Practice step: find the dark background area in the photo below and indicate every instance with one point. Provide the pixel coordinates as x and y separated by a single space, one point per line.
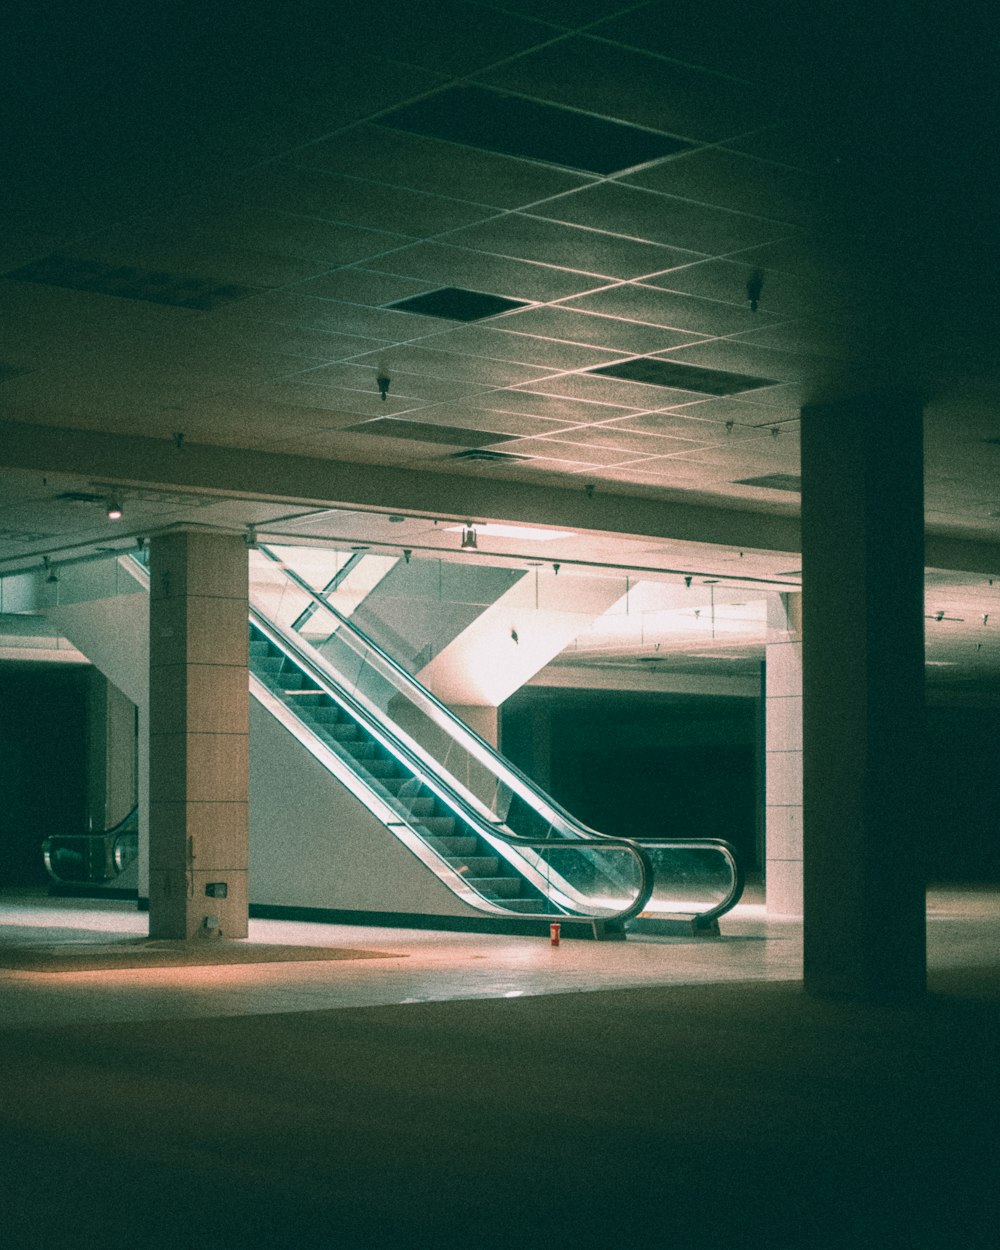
662 765
675 766
684 766
43 763
962 794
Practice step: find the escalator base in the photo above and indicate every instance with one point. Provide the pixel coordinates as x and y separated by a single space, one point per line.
453 924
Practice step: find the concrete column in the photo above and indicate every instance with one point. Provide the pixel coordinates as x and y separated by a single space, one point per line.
199 735
863 675
783 758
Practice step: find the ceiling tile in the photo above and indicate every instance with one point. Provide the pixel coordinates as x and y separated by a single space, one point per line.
560 244
638 302
354 201
360 286
552 407
561 450
451 365
458 304
498 344
515 424
726 281
615 437
662 219
679 425
439 263
339 318
396 158
735 181
607 332
599 390
673 375
629 86
530 129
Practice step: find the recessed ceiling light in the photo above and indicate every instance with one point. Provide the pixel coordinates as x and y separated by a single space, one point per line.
527 532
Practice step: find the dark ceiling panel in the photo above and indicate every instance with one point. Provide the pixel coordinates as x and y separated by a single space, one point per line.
457 304
77 274
680 377
526 128
774 481
424 432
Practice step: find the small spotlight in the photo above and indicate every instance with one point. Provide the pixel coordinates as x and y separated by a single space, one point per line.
114 510
469 541
250 537
53 576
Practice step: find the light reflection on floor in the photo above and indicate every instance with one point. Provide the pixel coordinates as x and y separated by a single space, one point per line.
963 929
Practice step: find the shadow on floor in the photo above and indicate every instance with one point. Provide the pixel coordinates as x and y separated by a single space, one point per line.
724 1115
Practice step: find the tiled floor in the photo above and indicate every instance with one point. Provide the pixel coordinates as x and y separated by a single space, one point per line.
963 930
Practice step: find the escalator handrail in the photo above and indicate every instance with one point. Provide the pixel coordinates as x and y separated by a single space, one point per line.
420 768
502 767
125 828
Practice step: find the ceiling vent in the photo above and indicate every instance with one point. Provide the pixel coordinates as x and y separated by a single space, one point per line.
426 432
456 304
76 274
680 377
512 126
483 453
774 481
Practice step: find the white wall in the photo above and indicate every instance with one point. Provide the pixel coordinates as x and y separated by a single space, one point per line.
313 844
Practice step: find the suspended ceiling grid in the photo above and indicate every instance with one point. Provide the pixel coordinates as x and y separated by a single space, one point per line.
230 225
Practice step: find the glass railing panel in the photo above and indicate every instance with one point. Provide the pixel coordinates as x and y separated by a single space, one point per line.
691 879
586 880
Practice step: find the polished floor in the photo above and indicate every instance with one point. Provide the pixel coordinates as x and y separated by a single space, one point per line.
429 966
498 1093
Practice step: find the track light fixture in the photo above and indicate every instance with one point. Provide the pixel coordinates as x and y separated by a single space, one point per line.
250 538
114 510
53 576
469 541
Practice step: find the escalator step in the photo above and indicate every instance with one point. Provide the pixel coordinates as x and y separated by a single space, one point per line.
439 826
475 866
419 805
383 768
453 847
497 887
526 904
326 714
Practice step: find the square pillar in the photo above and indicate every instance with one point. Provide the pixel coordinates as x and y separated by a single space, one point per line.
863 683
783 873
199 735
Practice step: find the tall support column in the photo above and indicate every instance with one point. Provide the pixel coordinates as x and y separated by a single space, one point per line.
199 736
863 681
783 757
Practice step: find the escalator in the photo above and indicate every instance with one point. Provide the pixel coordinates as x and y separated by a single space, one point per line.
482 827
371 798
94 858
